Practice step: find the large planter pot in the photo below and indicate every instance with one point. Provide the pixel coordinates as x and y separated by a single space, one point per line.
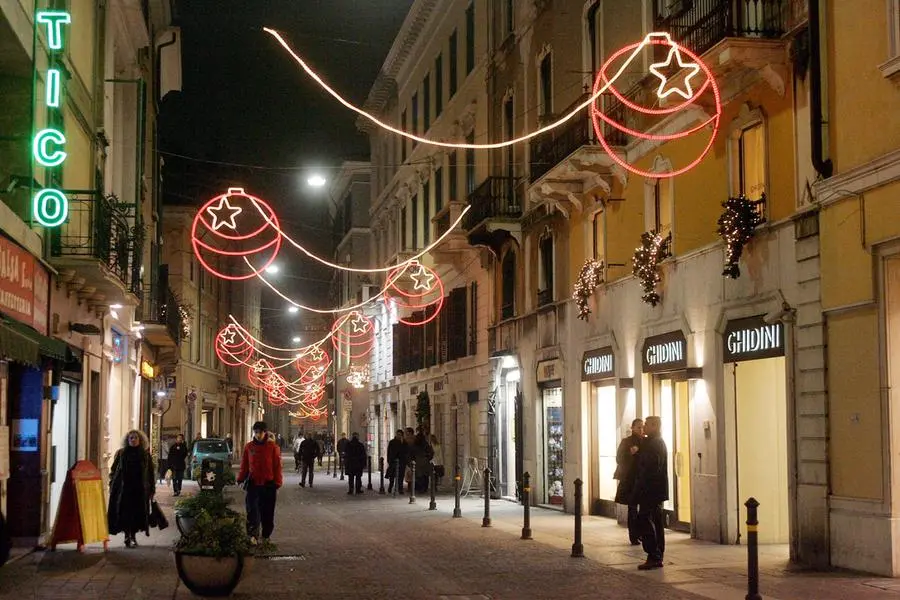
209 576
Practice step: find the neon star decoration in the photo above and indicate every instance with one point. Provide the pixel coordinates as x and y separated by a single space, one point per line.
360 324
653 116
693 69
231 213
423 278
417 292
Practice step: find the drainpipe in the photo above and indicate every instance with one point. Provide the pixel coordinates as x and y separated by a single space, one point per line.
157 79
823 166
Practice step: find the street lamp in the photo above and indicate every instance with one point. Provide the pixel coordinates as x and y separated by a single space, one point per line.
272 269
316 180
293 309
296 339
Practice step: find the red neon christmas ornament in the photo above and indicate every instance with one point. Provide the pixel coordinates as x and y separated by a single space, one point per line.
691 68
415 287
257 371
235 236
353 335
232 348
312 364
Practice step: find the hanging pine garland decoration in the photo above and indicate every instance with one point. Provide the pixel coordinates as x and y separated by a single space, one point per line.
590 277
737 224
653 249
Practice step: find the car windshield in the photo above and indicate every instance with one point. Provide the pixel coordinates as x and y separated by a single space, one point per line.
211 447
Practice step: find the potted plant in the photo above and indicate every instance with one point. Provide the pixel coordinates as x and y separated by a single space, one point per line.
188 507
213 552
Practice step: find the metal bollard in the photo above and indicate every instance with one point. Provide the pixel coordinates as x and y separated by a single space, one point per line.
328 465
381 474
457 513
334 468
398 477
412 482
526 503
578 547
752 550
342 466
486 520
433 504
369 466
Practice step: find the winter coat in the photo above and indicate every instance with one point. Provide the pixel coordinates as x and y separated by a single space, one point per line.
626 468
342 445
651 484
132 484
355 458
397 450
178 456
261 462
309 450
421 452
5 543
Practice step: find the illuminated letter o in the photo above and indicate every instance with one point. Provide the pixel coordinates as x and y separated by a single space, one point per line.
44 200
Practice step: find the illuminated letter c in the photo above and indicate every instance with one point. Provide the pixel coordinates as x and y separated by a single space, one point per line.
42 154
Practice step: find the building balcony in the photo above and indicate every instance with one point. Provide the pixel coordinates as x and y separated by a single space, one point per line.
160 314
496 207
456 241
97 250
736 38
503 338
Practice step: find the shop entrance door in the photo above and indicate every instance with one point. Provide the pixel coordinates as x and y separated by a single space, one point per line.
606 442
554 459
758 389
674 409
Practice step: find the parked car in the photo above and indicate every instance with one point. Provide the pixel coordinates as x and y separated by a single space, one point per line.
212 448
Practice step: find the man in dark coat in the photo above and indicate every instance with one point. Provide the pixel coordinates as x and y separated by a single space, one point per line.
309 452
355 461
342 451
396 456
626 462
178 454
421 452
651 489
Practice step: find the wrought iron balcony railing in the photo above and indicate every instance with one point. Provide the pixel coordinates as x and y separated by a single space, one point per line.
97 229
701 24
495 198
159 305
551 148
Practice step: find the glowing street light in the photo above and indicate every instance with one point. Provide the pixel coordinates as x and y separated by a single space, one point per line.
272 269
296 339
293 309
316 181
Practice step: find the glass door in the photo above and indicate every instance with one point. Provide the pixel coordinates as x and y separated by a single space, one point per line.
607 441
554 459
673 407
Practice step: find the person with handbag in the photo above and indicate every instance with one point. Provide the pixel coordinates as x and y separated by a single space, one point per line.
132 488
178 454
261 477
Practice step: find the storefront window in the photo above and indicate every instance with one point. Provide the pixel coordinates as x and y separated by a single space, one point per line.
553 444
607 440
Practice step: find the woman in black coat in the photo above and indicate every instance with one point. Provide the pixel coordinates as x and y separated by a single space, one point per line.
132 487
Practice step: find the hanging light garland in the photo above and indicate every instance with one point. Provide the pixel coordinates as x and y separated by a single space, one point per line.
737 225
647 256
359 376
590 277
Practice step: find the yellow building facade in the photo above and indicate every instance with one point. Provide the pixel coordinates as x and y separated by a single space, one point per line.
859 219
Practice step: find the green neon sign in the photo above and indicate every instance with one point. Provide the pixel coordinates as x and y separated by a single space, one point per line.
50 207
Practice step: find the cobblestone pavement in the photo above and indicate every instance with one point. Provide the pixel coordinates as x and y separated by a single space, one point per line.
331 545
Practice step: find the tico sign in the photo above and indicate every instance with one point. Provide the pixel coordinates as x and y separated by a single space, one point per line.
752 338
50 206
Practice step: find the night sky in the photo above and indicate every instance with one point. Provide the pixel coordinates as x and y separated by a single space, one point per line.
245 101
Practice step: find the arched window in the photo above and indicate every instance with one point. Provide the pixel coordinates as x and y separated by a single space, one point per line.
508 286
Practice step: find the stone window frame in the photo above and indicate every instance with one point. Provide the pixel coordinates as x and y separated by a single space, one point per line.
891 67
748 118
661 164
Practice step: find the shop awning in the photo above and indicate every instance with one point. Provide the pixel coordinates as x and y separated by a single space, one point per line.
17 347
47 346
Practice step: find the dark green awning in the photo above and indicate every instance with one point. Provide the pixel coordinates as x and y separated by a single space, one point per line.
47 346
17 347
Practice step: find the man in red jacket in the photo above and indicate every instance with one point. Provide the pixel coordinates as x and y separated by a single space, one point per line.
261 470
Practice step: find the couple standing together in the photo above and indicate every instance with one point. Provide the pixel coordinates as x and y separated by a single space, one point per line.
642 471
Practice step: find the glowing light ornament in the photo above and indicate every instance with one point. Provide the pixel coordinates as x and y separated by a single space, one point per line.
312 364
359 376
236 230
691 68
257 371
415 287
353 335
232 348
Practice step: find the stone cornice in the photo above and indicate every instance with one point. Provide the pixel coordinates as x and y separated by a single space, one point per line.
883 170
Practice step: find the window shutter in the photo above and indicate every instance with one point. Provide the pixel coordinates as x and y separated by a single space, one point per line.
457 325
416 343
444 328
473 319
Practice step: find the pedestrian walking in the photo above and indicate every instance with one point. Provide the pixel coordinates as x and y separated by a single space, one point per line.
177 459
229 442
297 442
163 460
421 452
438 460
132 488
396 452
261 476
626 470
321 443
355 463
309 452
342 450
651 489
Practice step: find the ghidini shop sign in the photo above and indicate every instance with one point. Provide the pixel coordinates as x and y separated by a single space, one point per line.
752 338
50 207
664 352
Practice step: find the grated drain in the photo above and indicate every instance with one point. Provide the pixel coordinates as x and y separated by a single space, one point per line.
282 557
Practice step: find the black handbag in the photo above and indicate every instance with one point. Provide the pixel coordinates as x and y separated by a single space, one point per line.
157 518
